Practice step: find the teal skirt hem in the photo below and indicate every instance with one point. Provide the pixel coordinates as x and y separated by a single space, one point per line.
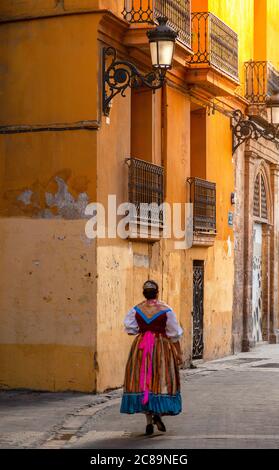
157 404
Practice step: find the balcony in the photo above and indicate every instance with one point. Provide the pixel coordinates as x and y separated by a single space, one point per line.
146 193
214 45
203 198
261 81
147 11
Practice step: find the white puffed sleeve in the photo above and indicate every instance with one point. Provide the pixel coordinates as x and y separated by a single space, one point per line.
173 329
130 323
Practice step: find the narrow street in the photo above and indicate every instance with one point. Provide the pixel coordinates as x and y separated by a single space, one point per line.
228 403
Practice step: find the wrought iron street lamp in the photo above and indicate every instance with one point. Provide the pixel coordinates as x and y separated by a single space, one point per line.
272 107
256 127
162 41
121 74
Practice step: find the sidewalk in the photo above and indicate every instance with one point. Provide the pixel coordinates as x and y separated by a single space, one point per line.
227 403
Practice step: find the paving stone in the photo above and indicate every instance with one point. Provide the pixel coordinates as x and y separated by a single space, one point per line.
228 403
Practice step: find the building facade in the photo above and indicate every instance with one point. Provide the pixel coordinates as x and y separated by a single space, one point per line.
64 294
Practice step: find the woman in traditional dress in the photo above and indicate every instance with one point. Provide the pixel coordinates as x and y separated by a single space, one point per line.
152 384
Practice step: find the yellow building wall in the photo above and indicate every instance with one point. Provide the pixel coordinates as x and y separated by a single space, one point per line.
218 297
198 143
173 269
23 8
260 30
219 259
66 328
220 168
114 256
48 293
57 84
177 144
47 304
177 273
123 265
266 31
214 162
219 267
199 5
272 53
238 15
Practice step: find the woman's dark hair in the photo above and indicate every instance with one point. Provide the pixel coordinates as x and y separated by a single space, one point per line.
150 290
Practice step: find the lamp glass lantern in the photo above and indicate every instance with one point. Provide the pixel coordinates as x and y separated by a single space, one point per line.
272 107
162 44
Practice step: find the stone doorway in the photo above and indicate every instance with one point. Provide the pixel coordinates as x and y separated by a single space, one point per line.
258 296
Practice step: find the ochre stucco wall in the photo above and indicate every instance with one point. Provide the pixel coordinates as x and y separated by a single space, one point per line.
272 53
34 165
266 31
58 85
220 168
48 294
260 29
64 328
218 298
238 15
47 304
24 8
214 163
114 295
124 265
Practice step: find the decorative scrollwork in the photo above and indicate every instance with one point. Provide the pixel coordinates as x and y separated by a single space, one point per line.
245 129
122 74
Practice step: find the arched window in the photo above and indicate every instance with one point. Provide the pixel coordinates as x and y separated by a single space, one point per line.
260 199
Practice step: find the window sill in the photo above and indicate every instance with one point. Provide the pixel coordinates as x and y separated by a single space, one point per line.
144 231
204 238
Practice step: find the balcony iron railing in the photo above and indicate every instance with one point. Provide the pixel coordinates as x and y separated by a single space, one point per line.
146 188
261 81
178 13
203 198
214 43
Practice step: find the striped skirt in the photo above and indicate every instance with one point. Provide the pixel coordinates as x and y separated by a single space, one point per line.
164 388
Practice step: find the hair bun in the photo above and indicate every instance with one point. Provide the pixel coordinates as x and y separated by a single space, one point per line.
150 285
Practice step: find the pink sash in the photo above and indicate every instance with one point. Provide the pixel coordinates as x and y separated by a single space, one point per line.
147 345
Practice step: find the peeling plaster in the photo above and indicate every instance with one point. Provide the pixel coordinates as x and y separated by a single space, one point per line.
68 207
25 197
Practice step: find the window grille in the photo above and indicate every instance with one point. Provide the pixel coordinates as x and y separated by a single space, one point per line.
203 197
146 187
260 199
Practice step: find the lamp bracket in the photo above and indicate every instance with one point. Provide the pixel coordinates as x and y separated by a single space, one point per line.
122 74
245 129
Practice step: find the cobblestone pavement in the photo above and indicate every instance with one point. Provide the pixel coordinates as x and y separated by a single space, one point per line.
227 403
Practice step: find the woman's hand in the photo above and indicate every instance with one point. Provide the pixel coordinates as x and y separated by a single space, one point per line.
179 359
